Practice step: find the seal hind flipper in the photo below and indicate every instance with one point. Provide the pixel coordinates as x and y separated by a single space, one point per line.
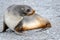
5 27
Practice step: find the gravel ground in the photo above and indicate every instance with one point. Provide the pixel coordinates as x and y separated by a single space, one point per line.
49 9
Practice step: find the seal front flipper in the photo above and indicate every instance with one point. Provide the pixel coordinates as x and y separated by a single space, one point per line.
18 27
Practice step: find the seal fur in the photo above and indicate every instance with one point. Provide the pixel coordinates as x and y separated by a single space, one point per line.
18 19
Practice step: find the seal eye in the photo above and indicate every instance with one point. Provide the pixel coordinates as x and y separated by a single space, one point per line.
28 10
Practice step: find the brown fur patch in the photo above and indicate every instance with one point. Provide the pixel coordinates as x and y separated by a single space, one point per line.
18 29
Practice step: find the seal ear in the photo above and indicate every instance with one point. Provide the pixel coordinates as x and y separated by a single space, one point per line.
12 20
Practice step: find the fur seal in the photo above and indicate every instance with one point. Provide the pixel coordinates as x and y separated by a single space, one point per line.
14 15
22 17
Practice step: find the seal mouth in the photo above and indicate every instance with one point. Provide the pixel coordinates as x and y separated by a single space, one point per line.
31 13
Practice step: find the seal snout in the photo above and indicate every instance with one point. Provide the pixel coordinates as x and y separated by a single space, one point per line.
31 12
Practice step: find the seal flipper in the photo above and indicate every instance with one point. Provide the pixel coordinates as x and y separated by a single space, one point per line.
5 27
18 28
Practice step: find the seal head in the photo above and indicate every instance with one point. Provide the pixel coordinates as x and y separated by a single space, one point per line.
15 14
22 10
28 10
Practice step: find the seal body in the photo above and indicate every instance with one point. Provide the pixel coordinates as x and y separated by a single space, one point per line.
34 22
